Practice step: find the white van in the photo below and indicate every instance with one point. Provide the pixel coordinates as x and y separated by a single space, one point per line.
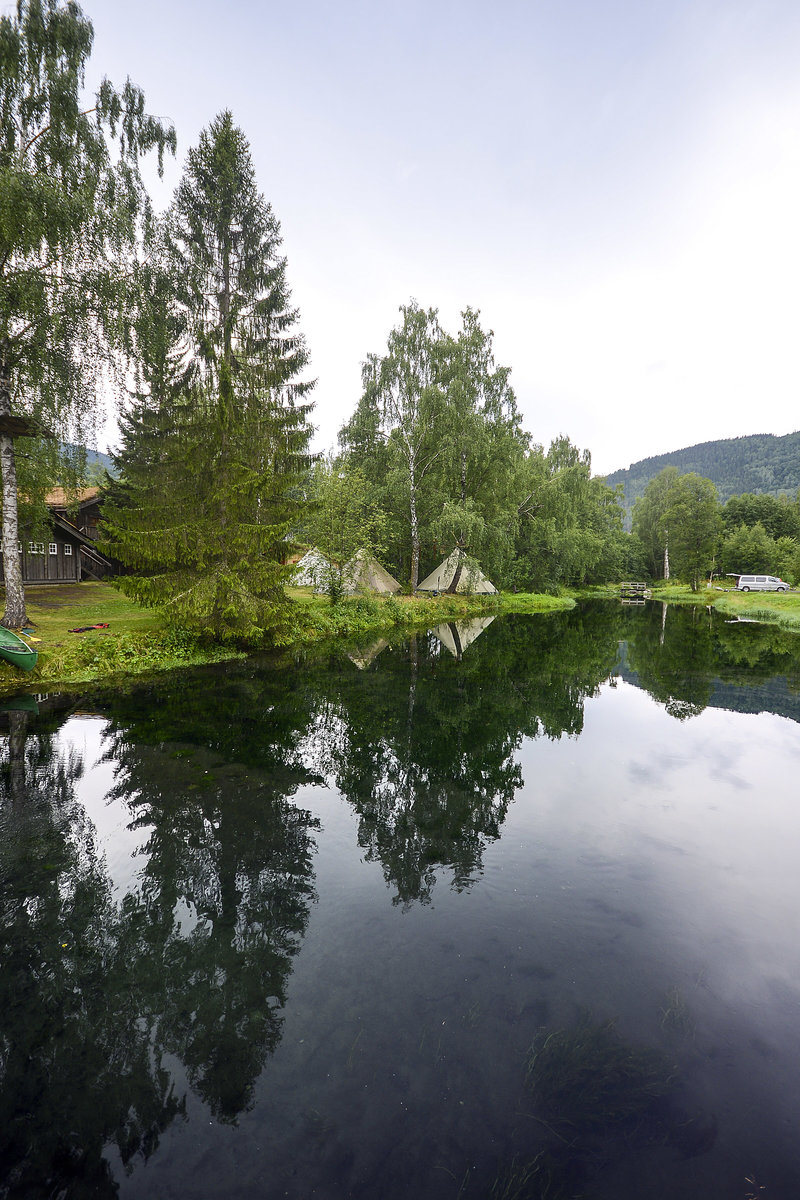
761 583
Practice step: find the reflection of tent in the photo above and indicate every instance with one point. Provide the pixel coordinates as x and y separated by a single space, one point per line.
362 658
455 636
364 573
309 571
472 577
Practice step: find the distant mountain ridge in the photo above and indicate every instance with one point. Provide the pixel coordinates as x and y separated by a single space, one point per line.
762 462
97 463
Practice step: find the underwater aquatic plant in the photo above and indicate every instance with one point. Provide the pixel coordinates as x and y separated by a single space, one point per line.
587 1079
540 1178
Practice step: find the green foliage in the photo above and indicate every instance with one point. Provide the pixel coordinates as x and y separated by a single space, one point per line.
787 559
748 549
70 216
692 521
437 435
648 512
570 524
762 534
344 519
779 516
216 445
678 514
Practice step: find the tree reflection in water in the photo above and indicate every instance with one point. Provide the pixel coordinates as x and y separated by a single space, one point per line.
192 962
100 991
76 1071
423 744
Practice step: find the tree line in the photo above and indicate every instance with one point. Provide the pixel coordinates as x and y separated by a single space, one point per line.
190 311
683 530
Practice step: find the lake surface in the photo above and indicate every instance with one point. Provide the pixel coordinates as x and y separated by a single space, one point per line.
509 910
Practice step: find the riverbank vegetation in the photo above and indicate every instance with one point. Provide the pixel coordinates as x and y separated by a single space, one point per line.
93 631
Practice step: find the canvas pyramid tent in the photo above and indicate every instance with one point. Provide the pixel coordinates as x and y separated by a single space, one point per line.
309 571
472 577
455 636
363 573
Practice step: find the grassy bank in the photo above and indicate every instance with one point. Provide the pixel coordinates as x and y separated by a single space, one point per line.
136 641
773 608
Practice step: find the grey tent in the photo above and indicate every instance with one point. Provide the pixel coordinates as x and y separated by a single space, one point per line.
310 570
472 577
363 573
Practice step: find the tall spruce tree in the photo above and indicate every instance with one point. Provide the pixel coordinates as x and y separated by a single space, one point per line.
69 217
206 536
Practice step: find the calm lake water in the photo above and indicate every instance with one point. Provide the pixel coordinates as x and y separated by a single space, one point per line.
507 911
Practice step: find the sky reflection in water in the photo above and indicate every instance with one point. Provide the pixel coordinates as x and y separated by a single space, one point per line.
292 930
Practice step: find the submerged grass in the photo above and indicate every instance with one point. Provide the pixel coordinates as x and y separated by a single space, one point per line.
585 1078
539 1178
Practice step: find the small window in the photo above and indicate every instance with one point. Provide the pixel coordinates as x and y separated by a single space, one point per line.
19 547
67 549
40 547
53 548
31 547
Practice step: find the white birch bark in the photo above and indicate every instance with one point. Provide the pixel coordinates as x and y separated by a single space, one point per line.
14 616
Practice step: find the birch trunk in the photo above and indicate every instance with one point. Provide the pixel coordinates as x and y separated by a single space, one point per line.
414 527
666 557
14 616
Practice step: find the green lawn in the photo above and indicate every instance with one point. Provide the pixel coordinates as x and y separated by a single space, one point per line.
135 642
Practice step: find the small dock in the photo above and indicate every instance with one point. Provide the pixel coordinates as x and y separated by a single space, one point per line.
634 593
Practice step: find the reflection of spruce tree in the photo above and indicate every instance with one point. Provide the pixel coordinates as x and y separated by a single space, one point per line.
423 746
229 853
75 1068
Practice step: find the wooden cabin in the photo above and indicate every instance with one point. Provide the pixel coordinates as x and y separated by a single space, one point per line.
81 508
68 555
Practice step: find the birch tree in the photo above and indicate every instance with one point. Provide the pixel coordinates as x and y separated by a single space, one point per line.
72 206
411 401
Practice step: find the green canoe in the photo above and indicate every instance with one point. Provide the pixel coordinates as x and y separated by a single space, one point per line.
14 650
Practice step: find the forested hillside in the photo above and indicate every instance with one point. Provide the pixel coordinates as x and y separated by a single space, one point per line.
760 463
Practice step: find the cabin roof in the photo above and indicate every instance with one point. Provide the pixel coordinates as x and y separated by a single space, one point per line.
60 498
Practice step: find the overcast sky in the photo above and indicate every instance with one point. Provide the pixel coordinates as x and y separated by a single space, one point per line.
615 184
